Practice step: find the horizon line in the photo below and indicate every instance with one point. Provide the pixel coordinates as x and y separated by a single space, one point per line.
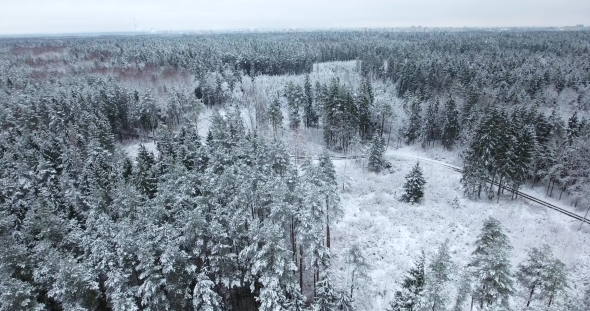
286 30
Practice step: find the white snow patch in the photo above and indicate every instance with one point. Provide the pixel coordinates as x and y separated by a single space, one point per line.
392 234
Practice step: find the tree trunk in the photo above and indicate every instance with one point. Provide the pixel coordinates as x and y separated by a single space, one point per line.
388 137
327 225
301 268
500 184
382 124
561 193
530 296
481 300
314 281
293 247
352 284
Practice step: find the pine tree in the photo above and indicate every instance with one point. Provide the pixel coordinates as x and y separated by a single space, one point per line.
414 186
429 129
415 121
438 277
556 281
463 292
524 151
127 169
310 114
410 296
541 274
365 106
467 118
326 297
145 176
490 264
204 298
295 99
344 302
530 273
359 268
586 299
375 163
573 128
329 190
450 131
275 115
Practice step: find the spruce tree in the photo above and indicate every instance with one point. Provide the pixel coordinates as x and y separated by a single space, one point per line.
375 163
490 264
414 186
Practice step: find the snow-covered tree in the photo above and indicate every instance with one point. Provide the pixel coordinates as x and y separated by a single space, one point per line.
204 297
375 162
437 280
295 99
329 190
310 113
359 268
414 123
326 296
410 296
542 275
414 186
463 291
450 129
491 268
275 115
145 175
344 302
430 128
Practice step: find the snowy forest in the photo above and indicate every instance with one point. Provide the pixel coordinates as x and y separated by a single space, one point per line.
295 171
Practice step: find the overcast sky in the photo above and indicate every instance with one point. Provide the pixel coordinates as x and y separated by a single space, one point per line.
74 16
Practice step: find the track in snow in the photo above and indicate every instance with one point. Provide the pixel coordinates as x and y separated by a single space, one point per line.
518 193
459 170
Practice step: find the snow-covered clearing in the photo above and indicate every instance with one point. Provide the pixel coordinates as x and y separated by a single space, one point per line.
392 233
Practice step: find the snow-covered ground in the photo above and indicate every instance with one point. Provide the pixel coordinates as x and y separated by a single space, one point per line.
392 233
